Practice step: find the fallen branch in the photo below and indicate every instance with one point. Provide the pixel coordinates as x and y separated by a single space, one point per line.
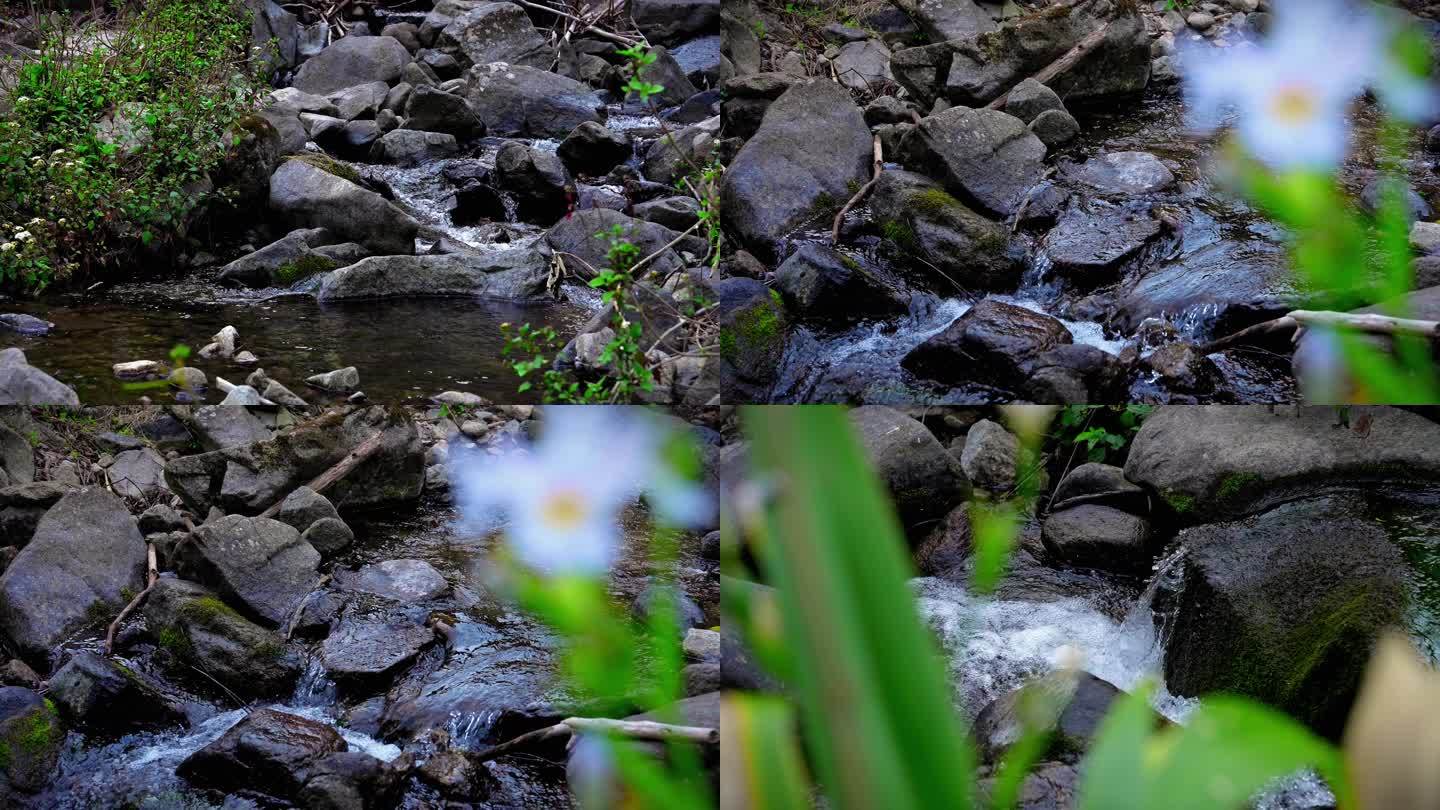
1302 318
152 575
877 166
630 729
1064 63
342 468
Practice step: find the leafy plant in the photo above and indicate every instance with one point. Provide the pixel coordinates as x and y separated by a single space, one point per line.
1103 431
107 139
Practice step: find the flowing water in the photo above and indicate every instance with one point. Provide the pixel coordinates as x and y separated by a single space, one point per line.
1223 268
404 348
498 660
1107 626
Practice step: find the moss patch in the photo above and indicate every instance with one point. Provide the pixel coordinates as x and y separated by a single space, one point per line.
206 610
900 233
30 735
329 165
754 330
1235 483
304 267
1181 504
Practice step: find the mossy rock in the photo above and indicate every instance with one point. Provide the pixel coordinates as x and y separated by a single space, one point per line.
329 165
196 628
304 267
753 334
939 238
1286 606
31 733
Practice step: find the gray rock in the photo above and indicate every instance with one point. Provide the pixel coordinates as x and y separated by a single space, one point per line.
309 196
495 32
349 61
811 150
519 101
953 245
434 110
21 508
341 380
702 645
17 456
582 234
517 274
262 564
277 393
1211 462
243 396
1120 173
85 556
1055 128
360 101
329 535
666 72
923 478
369 652
991 457
220 426
400 580
592 149
25 324
138 474
281 746
536 180
108 696
993 343
1230 285
669 159
197 629
822 283
1071 706
1097 536
412 147
676 213
864 65
1102 483
1093 237
985 157
160 518
23 384
944 20
672 21
303 507
1029 98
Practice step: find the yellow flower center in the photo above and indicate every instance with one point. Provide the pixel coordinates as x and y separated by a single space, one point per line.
1293 104
563 509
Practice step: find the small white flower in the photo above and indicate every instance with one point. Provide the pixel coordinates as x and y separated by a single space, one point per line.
62 222
561 498
22 99
7 247
23 236
1292 91
57 153
36 221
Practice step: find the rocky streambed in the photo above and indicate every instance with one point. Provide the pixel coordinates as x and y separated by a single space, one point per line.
1229 549
438 171
343 654
1069 241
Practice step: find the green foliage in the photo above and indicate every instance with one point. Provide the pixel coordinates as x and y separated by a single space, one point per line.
1103 431
640 58
175 78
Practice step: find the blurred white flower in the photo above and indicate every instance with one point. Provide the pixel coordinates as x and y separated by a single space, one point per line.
23 236
562 497
7 247
1293 90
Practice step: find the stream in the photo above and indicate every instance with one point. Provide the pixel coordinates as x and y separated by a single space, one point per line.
404 348
1222 269
499 660
1116 627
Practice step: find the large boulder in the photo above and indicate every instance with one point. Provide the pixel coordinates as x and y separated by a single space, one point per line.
109 696
993 343
31 735
811 151
520 101
671 21
585 235
1286 607
434 110
944 20
267 750
988 158
495 32
923 478
138 473
536 180
86 556
259 563
1092 238
513 275
951 243
349 61
820 282
412 147
285 260
195 628
23 384
21 508
754 331
976 69
371 651
309 196
1212 462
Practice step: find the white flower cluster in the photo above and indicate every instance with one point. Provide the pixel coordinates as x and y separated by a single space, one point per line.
1293 91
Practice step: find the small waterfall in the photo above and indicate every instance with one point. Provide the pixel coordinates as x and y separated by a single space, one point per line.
314 688
1144 630
470 729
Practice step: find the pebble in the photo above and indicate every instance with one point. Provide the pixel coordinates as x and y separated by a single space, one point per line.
246 359
1200 20
139 370
340 381
189 378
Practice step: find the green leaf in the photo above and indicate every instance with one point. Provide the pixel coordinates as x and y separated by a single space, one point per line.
1113 773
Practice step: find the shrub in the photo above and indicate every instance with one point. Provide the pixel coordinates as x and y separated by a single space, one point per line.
110 134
